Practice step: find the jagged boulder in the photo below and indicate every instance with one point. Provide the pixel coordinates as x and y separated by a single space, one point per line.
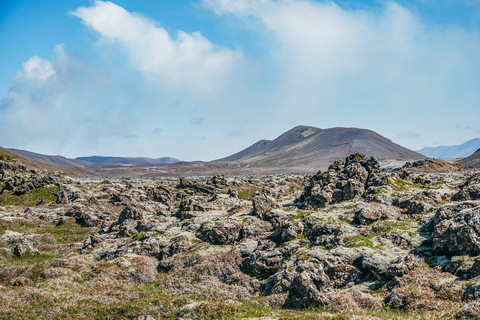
23 246
366 213
130 212
456 231
309 286
264 261
342 181
262 203
472 292
470 190
469 311
225 232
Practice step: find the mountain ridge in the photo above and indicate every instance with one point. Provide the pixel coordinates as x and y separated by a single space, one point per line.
449 152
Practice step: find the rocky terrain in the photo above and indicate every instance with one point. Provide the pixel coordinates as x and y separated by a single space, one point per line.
350 242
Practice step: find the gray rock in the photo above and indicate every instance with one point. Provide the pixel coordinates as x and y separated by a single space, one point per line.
225 232
264 261
246 247
262 204
458 235
472 292
309 285
130 212
469 311
23 246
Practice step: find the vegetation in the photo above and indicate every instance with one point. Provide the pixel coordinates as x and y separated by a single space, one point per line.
5 157
49 193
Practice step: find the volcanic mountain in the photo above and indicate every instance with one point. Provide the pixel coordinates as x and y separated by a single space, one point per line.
472 160
305 146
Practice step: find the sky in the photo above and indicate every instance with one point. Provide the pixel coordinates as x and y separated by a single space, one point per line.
203 79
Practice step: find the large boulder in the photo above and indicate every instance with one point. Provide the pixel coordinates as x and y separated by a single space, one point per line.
470 190
456 231
309 285
344 180
264 261
262 204
225 232
130 212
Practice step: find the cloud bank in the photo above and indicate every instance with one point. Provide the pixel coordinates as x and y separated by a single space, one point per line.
180 94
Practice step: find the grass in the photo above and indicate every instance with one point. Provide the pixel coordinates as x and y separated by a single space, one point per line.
30 258
7 198
360 240
67 233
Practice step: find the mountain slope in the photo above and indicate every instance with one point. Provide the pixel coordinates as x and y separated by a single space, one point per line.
129 160
36 164
56 160
471 161
457 151
309 146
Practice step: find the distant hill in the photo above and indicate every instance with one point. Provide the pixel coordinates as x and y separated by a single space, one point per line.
129 160
305 146
449 152
472 160
56 160
37 164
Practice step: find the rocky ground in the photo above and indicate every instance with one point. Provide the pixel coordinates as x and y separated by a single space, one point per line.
351 242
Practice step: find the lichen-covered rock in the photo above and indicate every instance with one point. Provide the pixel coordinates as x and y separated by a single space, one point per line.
342 181
262 204
402 266
469 311
309 285
264 261
470 190
225 232
367 214
457 234
130 212
472 292
23 246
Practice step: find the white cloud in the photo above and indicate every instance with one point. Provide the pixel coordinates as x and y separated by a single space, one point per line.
38 69
188 60
362 67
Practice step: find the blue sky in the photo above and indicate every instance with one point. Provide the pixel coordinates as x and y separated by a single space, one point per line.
200 80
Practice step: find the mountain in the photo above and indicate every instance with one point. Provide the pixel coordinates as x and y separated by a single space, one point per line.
56 160
471 161
446 152
129 160
305 146
38 164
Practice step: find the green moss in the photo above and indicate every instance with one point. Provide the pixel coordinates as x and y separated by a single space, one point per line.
402 185
30 258
49 193
67 233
